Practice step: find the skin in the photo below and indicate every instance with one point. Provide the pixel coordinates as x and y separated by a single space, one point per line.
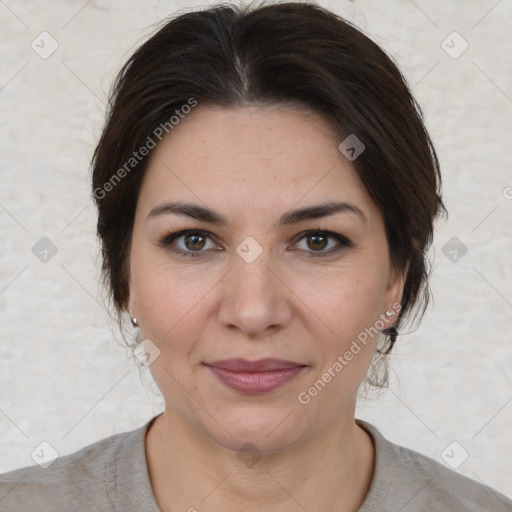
251 165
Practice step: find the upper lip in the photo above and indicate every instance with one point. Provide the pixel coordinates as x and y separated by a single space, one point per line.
260 365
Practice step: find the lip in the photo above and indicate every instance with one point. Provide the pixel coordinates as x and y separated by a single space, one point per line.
258 376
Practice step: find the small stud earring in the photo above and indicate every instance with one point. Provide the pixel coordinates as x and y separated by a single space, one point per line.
389 313
134 320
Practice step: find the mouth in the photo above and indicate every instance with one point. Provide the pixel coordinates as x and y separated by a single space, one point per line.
254 377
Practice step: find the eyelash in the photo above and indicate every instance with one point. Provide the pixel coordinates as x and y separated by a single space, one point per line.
167 241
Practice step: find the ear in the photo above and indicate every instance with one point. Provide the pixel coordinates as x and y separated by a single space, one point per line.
394 293
130 301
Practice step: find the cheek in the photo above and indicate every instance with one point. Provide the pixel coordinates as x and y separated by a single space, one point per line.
344 311
170 303
345 302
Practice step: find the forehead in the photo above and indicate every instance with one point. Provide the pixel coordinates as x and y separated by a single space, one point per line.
264 159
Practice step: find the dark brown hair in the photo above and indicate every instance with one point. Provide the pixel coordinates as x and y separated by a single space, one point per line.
273 55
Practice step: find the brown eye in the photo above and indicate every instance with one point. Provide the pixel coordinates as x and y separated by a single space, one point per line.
194 241
317 241
189 242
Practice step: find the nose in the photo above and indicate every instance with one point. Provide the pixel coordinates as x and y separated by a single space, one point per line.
255 300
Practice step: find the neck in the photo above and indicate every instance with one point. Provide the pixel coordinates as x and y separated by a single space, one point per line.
189 470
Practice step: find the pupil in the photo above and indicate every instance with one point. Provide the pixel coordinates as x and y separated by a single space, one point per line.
195 243
317 237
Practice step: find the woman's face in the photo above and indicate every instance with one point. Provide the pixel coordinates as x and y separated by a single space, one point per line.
255 284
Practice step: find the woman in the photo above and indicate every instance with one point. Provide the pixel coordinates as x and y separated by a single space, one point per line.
266 195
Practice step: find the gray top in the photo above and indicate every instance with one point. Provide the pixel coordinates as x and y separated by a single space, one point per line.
112 475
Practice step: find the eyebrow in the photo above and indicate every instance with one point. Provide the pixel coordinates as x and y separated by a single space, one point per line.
290 217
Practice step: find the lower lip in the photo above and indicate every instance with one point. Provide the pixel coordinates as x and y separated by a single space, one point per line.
255 382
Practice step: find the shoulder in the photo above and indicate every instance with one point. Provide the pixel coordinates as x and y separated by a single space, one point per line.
409 481
87 479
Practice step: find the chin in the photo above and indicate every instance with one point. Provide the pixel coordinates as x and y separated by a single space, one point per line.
269 429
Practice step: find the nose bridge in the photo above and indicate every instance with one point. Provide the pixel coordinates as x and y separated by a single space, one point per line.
253 297
251 270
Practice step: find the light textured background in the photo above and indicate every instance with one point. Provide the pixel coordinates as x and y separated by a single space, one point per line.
64 374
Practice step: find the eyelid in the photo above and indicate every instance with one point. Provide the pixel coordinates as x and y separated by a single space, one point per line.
343 242
168 239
